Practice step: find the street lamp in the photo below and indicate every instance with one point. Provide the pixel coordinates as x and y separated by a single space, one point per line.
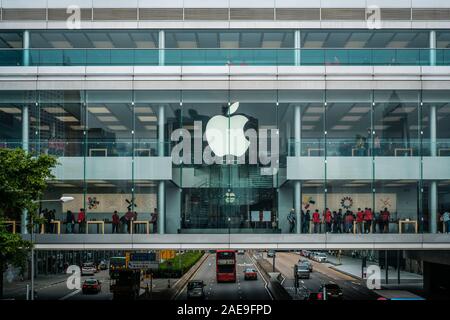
62 200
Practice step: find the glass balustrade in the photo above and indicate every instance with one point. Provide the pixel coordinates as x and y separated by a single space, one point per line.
221 57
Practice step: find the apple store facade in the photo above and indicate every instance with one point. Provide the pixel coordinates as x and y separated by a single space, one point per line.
337 149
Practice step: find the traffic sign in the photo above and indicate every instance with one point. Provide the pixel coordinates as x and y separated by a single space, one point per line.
167 254
143 265
142 256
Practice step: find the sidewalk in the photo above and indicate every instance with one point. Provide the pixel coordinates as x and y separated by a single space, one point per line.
17 288
352 267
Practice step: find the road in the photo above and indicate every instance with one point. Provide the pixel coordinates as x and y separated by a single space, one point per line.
241 290
353 289
60 291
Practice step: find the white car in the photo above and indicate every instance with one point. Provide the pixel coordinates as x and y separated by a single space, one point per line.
320 257
88 269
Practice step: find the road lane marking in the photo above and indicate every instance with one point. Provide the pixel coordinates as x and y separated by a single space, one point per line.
265 282
70 294
192 277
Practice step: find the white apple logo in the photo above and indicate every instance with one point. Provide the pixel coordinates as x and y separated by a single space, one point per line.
225 135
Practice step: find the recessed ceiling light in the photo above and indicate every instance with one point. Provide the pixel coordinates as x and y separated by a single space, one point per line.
65 185
98 110
11 110
77 127
117 128
341 127
53 110
310 118
147 118
150 127
107 118
391 119
314 110
404 110
105 185
143 110
351 118
307 127
380 127
67 119
359 110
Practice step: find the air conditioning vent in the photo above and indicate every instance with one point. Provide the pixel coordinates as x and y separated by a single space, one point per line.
24 14
343 14
124 14
395 14
251 14
431 14
298 14
205 14
62 15
160 14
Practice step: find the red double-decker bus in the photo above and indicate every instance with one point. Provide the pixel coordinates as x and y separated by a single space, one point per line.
226 265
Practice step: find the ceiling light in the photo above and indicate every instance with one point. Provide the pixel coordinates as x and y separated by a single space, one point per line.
98 110
117 128
314 110
150 127
143 110
67 119
310 118
341 127
351 118
147 118
53 110
107 118
11 110
359 110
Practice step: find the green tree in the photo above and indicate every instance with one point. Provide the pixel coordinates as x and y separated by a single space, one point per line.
23 180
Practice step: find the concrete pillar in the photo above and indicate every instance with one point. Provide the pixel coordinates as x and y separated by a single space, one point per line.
433 46
297 184
433 126
161 46
25 147
161 207
26 46
433 194
297 46
161 184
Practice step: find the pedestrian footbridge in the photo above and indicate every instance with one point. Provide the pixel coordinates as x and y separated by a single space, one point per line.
240 241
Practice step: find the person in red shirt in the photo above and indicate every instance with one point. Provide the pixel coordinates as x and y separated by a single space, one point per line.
115 222
81 220
368 217
359 219
385 217
316 220
349 218
327 219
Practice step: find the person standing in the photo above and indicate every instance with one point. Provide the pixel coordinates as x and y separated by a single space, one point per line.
385 217
334 222
339 220
359 220
81 220
70 222
129 216
316 221
327 219
368 217
154 220
115 222
306 221
292 220
349 218
446 220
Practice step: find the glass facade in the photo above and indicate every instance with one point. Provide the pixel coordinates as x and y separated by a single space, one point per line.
360 149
